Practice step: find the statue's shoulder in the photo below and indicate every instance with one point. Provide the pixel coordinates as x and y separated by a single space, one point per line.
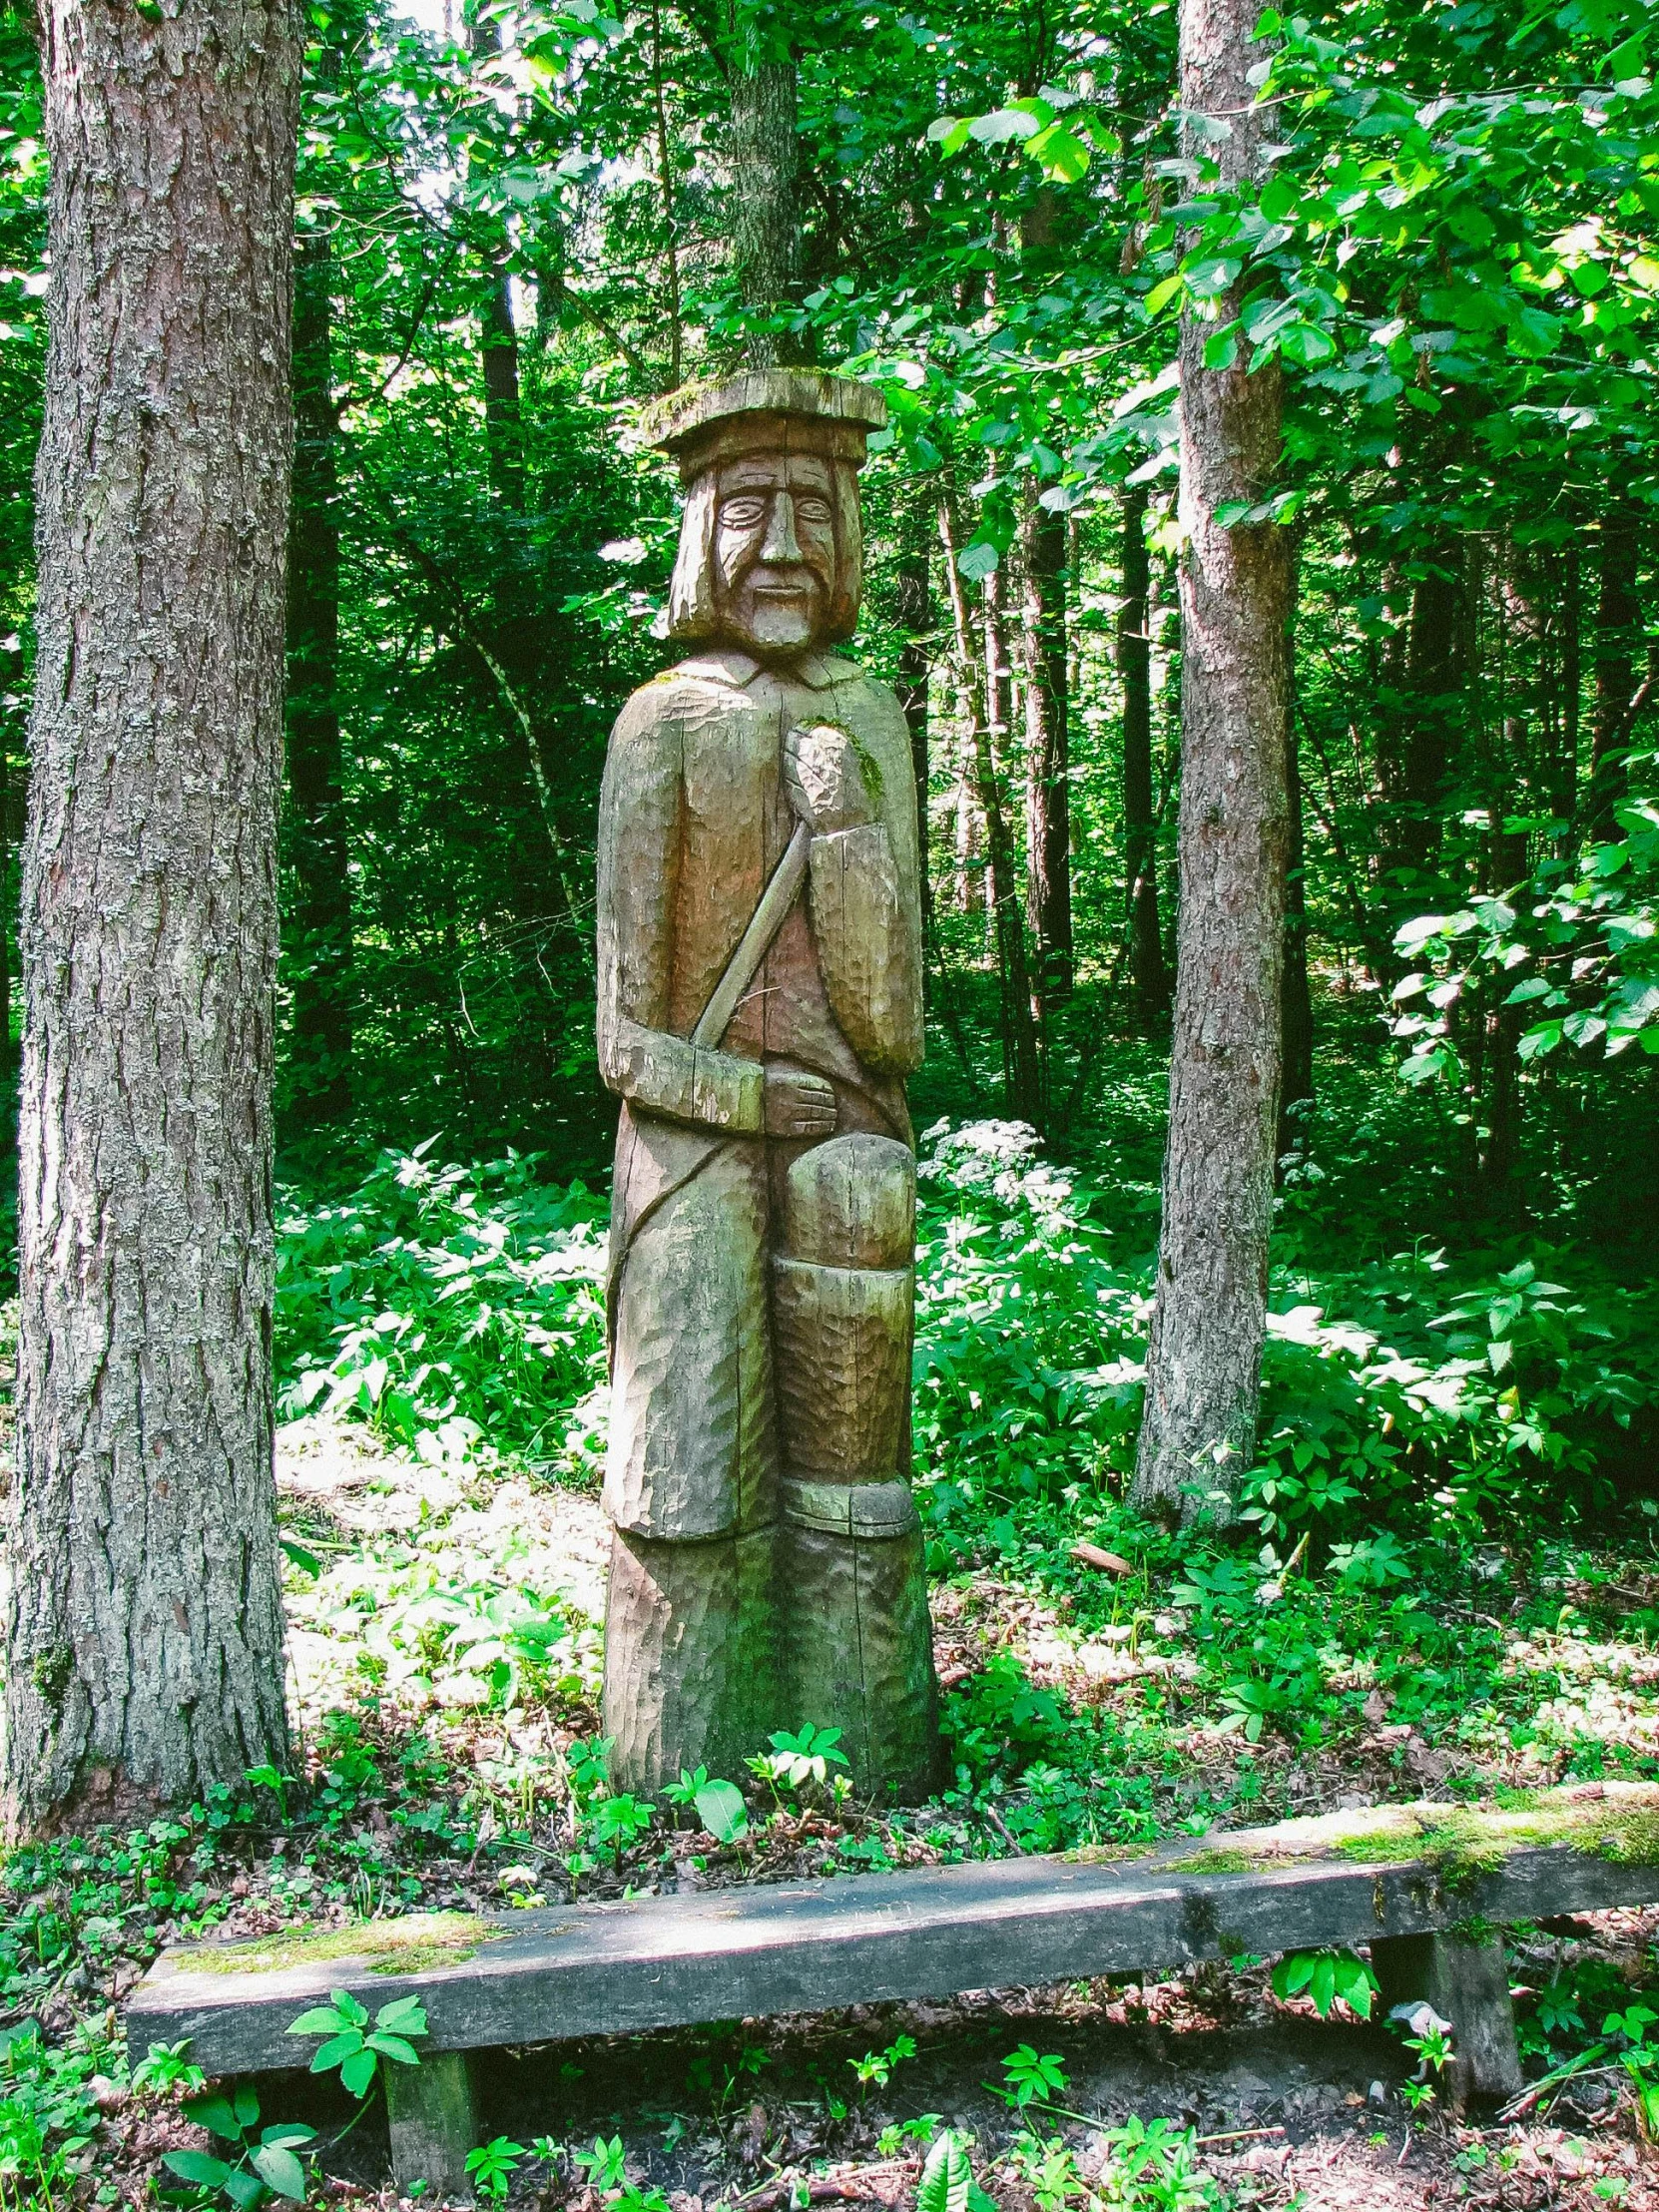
854 695
691 686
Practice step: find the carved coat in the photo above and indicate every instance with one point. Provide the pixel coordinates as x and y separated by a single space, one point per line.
694 818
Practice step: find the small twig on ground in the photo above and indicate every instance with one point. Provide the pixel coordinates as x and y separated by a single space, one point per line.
1109 1562
1238 2135
996 1821
846 2188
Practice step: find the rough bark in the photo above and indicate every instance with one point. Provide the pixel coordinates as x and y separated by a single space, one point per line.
1149 977
1209 1319
320 924
1047 747
144 1617
766 211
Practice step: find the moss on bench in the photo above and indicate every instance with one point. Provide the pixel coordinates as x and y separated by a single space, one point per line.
1458 1844
408 1946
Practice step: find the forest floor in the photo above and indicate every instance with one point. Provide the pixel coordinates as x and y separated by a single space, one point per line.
443 1795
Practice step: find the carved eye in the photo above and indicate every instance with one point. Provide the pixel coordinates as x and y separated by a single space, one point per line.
810 507
743 513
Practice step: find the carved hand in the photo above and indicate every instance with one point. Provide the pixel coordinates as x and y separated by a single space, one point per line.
824 778
799 1105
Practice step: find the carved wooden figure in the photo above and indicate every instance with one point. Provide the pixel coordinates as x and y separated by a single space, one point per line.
760 1008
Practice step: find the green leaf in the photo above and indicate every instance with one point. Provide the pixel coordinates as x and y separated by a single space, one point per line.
359 2071
289 2131
278 2169
946 2177
243 2189
977 560
347 2006
721 1809
217 2114
1063 156
1003 124
393 2046
199 2166
321 2020
337 2049
1322 1984
1159 298
1221 349
1625 61
403 2017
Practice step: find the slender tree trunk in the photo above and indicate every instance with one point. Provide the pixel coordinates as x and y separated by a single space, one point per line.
1296 1004
1499 1157
915 610
1048 761
144 1619
1149 977
1204 1358
1020 1069
665 178
503 420
765 212
316 839
1618 633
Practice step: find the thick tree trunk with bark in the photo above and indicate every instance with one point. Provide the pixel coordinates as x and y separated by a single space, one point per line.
1148 978
316 845
1047 749
766 205
1204 1358
144 1615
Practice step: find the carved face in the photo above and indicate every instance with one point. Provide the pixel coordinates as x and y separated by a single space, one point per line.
774 550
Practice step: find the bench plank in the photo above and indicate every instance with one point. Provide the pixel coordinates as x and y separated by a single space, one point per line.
615 1967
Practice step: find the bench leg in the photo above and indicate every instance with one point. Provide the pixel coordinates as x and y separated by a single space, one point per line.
433 2123
1468 1984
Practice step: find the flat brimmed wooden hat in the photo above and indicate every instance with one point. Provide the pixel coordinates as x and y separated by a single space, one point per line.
765 410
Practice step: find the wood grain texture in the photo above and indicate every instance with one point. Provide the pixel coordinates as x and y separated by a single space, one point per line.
757 1017
736 1954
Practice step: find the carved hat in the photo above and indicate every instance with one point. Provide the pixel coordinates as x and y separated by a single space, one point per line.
765 410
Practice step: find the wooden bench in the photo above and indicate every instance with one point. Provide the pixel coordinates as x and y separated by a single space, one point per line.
1425 1886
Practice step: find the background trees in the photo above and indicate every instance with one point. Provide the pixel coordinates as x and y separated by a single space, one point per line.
517 227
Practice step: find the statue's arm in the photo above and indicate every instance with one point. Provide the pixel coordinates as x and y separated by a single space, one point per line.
639 1058
865 896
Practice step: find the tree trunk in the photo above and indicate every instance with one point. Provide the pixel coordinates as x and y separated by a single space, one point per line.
1021 1068
1295 1004
1618 632
1048 803
320 1060
915 610
1204 1358
144 1621
766 213
1149 977
503 423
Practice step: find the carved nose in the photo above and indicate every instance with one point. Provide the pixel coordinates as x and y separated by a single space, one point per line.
780 544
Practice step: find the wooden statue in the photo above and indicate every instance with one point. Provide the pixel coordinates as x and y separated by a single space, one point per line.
760 1008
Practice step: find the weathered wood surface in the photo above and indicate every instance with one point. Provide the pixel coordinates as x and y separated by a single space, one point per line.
805 1947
